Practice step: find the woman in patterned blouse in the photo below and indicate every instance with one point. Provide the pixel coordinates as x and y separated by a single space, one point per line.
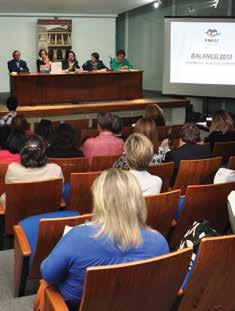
147 127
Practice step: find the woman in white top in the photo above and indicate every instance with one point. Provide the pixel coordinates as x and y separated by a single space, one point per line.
139 153
33 166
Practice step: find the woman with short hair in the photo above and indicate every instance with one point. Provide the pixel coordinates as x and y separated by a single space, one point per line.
147 127
43 62
117 234
221 129
94 63
138 151
33 164
70 63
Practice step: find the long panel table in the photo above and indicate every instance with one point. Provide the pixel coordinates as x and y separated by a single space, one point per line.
42 89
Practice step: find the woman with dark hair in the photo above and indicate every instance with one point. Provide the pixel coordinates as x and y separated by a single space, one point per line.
221 129
94 63
20 123
64 145
45 129
33 164
43 62
70 63
15 142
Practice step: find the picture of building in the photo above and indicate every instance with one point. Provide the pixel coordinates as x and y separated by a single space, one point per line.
55 37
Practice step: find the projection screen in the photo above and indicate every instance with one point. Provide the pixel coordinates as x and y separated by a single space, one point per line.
199 57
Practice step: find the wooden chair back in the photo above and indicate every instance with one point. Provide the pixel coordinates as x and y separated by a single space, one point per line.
71 165
164 132
165 171
225 150
101 163
204 202
140 283
212 286
161 210
3 170
50 232
88 133
131 286
127 131
231 163
195 172
31 198
80 197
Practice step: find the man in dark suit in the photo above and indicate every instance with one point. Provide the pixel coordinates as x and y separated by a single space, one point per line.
190 147
17 64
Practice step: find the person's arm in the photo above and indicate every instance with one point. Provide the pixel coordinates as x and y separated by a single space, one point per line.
115 65
9 65
86 66
102 65
38 65
76 65
128 64
55 267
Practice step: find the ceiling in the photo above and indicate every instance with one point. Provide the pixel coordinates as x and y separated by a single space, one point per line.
70 6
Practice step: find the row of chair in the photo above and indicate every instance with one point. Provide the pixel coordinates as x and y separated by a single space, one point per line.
201 202
153 284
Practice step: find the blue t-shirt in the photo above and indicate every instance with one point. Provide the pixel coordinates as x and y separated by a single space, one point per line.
65 267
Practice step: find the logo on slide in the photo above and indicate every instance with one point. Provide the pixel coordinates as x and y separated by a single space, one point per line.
211 35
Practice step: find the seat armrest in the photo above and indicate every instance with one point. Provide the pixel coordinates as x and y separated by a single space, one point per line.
22 241
54 301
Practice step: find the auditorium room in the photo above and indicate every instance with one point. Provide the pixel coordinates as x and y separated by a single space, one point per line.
117 155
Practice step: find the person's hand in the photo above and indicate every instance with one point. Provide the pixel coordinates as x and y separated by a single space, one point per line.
124 68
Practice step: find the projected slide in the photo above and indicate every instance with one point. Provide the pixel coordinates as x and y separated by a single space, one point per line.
202 53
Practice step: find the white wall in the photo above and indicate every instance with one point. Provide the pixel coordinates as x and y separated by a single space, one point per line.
89 34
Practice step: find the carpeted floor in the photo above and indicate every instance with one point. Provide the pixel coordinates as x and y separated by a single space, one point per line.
7 300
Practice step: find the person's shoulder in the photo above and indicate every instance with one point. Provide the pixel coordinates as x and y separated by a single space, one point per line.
54 166
15 168
156 179
155 237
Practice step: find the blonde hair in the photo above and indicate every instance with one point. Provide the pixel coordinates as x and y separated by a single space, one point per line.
221 122
147 126
139 151
119 207
153 111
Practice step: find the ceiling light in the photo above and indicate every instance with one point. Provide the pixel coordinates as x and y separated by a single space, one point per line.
157 4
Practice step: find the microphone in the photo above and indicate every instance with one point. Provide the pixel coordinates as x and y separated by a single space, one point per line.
110 62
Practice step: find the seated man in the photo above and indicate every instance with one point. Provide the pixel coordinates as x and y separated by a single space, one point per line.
17 64
12 105
190 148
121 62
94 63
106 144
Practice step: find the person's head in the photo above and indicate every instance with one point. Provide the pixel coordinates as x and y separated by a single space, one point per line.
16 55
117 125
221 122
15 141
153 111
12 103
95 57
33 154
105 121
19 123
45 129
70 56
147 127
121 54
64 136
43 54
120 214
190 134
139 151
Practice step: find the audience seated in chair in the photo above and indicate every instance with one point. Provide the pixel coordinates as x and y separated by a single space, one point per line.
12 105
139 151
33 166
147 127
106 144
64 145
154 112
190 148
221 129
117 126
15 142
20 123
117 234
45 129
